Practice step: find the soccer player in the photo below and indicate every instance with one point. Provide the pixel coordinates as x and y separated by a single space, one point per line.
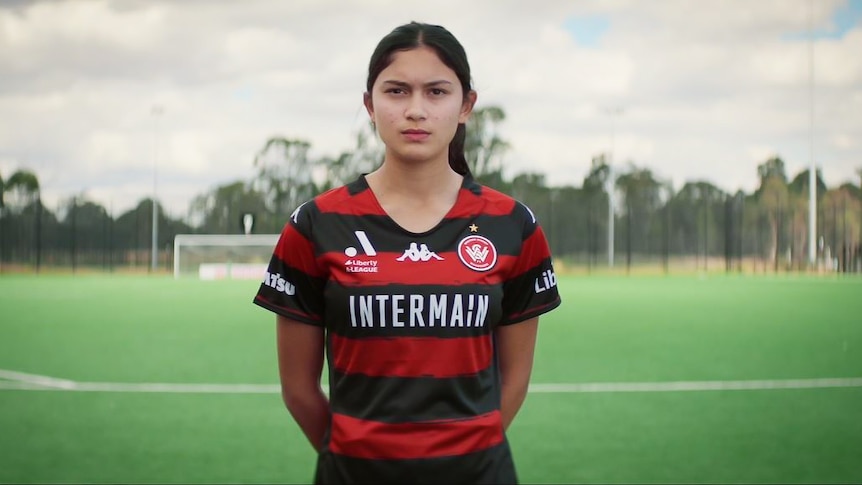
422 287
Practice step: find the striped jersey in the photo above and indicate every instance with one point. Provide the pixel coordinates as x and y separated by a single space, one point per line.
414 384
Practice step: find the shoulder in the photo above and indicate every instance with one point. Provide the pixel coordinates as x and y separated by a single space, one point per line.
501 204
332 200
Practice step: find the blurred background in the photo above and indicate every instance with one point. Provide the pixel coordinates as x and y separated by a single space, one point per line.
662 135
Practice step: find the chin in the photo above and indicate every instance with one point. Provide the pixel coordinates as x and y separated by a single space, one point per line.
418 156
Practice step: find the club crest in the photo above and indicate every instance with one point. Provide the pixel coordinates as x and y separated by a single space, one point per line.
477 253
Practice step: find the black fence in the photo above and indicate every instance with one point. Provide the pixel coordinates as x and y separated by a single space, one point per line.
728 233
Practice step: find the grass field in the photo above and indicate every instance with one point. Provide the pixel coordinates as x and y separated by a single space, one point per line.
718 379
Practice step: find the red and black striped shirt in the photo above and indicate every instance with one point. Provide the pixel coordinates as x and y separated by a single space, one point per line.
409 320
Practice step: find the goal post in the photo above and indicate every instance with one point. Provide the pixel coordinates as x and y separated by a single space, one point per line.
223 256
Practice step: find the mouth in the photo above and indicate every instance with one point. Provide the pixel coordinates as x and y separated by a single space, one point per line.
415 135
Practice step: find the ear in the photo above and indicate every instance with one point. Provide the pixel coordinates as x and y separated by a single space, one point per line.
467 106
369 107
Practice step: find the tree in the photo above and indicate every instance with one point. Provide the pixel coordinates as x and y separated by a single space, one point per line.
595 214
773 167
366 155
774 198
698 211
220 211
598 175
799 184
22 190
526 185
567 220
798 198
840 219
642 199
285 174
85 231
797 215
133 230
484 147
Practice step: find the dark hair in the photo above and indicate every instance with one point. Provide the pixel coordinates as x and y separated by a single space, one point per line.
451 53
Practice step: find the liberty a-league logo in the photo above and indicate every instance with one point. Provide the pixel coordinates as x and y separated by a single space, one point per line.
477 253
361 264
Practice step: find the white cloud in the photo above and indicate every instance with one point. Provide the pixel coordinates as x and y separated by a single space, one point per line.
708 89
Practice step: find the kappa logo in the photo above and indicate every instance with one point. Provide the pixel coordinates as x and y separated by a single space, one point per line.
418 252
477 253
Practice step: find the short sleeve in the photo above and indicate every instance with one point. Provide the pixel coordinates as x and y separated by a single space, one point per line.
531 287
294 282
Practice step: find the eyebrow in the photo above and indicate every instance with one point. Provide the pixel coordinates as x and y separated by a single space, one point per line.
407 85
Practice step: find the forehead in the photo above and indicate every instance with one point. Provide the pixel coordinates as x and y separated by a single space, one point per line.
419 65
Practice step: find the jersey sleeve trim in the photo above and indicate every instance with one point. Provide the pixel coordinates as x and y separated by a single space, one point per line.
287 312
531 313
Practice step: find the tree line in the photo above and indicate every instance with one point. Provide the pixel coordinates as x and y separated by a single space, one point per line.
654 223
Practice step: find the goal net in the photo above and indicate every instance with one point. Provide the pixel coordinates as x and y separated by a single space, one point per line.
223 256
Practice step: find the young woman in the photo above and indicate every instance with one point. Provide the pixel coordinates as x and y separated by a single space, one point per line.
422 287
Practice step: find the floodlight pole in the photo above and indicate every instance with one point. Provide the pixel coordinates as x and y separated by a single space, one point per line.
812 170
156 111
610 183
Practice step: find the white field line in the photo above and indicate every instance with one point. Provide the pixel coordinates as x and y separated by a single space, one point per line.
152 387
753 385
33 382
36 380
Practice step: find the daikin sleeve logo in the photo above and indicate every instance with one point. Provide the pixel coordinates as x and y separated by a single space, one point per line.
477 253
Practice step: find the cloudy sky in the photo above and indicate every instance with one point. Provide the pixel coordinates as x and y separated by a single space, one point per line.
100 97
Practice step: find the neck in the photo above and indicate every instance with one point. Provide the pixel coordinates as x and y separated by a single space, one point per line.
416 181
416 196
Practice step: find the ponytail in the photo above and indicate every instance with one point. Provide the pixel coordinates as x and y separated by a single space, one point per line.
457 159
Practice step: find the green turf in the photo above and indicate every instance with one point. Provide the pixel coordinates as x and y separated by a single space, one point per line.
776 436
609 329
718 328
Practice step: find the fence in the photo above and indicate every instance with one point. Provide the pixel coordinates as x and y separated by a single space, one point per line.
729 233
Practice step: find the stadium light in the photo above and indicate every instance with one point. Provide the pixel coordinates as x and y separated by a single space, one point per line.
156 111
613 112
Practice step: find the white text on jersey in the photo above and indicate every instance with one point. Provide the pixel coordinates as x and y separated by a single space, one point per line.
547 281
435 310
360 266
274 280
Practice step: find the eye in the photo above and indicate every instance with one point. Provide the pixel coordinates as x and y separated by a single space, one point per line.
395 91
437 91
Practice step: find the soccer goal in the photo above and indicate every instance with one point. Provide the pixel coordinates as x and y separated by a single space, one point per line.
223 256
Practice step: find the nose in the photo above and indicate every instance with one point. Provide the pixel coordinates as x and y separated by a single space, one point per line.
416 108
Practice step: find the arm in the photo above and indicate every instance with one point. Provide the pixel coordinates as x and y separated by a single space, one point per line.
516 345
300 363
